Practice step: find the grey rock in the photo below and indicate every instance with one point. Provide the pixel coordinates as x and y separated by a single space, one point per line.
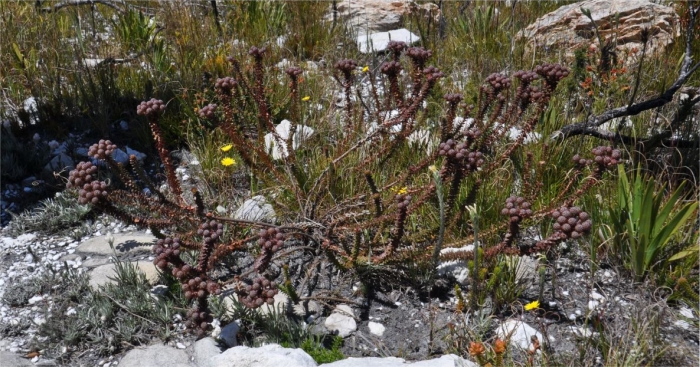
60 163
268 355
204 350
101 275
375 42
256 209
94 262
567 28
449 360
382 15
123 242
156 356
455 268
10 359
139 156
229 333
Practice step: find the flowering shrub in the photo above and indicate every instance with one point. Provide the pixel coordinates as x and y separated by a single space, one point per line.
353 196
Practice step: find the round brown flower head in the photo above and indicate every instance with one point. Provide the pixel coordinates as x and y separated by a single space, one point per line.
432 73
257 52
572 222
198 319
294 71
418 55
397 47
517 209
552 73
150 108
606 157
83 178
580 161
102 149
498 82
391 68
346 65
225 84
453 98
208 111
260 292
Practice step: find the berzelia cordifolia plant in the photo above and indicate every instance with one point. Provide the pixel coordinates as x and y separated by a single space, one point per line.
360 195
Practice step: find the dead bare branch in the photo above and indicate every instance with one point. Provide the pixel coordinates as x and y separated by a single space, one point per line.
589 127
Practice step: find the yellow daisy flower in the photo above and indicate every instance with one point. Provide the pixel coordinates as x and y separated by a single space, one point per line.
400 191
306 98
228 161
365 69
226 148
532 305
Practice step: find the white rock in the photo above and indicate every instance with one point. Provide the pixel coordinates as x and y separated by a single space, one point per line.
597 296
32 108
180 346
518 332
376 328
376 42
203 350
267 355
279 305
277 148
449 360
682 324
26 238
229 333
155 356
592 305
256 209
341 322
686 312
35 299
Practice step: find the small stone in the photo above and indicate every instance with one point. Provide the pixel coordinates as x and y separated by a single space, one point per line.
229 334
180 346
376 328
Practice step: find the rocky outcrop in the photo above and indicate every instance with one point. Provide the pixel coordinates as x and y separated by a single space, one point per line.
368 16
618 21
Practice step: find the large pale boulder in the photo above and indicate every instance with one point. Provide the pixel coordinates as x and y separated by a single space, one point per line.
620 21
449 360
154 356
376 42
368 16
267 355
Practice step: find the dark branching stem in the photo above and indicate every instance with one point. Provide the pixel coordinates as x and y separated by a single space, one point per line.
589 127
215 9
